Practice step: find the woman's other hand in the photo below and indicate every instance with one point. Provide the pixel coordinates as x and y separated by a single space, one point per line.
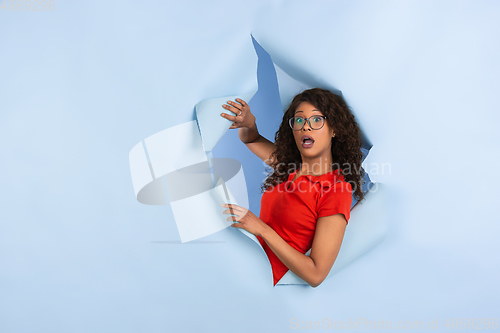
243 117
245 219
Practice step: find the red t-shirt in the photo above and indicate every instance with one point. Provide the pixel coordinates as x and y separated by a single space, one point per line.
293 212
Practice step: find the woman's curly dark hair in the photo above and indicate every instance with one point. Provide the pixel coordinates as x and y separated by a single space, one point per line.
346 145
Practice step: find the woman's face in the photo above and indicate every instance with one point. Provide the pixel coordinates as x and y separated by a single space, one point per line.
321 143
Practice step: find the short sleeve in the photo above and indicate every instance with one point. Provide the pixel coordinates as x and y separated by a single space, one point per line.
335 199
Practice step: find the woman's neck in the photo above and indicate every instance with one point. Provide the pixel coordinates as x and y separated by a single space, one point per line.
319 167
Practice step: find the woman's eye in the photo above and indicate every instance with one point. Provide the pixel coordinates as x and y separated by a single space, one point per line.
317 119
299 120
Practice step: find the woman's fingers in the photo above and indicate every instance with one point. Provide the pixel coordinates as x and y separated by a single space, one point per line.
233 209
239 211
242 102
238 106
228 116
242 113
232 217
233 107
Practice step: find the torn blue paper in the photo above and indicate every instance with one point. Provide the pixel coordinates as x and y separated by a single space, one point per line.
176 167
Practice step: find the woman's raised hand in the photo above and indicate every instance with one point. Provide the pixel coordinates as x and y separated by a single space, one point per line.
243 117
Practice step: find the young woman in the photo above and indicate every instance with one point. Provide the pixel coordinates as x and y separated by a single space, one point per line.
308 195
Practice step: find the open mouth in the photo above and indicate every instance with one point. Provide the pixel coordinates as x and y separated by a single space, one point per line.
307 141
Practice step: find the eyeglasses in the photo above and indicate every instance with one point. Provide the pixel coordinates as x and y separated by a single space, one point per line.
297 123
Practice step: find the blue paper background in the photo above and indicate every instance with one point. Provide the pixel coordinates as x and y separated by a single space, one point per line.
81 85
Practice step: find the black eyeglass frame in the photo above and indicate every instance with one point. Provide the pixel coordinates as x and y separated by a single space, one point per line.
308 121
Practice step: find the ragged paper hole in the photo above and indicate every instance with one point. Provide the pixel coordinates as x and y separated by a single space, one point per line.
185 175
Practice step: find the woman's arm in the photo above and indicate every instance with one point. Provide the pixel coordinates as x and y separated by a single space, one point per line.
326 243
325 247
249 133
261 146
